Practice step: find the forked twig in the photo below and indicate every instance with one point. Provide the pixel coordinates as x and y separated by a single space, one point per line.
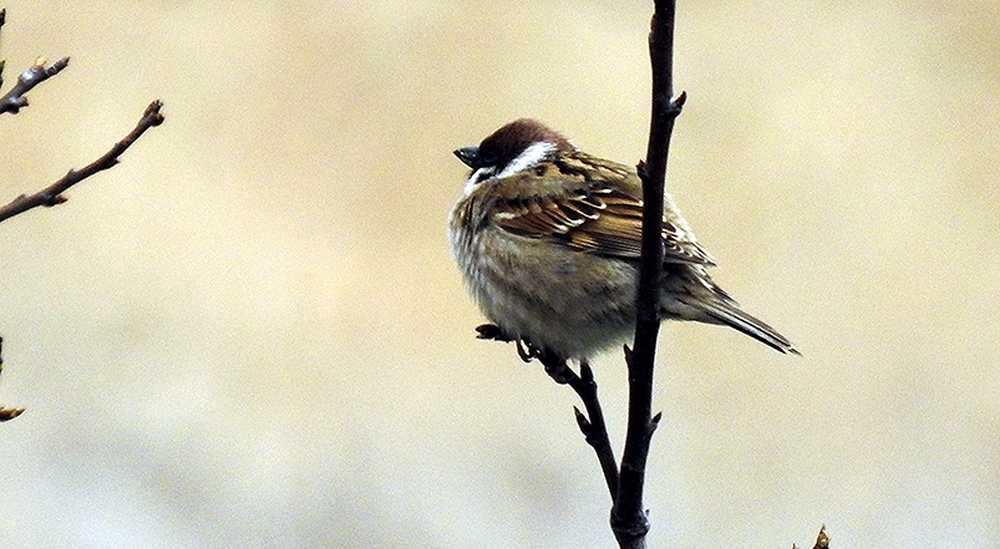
14 99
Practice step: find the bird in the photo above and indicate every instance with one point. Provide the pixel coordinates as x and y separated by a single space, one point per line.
547 238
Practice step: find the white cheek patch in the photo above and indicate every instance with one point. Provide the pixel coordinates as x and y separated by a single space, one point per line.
529 158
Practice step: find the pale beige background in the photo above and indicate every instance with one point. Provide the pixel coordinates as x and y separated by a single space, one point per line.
251 333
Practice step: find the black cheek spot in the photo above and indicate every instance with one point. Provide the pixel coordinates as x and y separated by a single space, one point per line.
488 158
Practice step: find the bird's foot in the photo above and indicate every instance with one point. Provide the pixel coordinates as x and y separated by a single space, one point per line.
556 367
493 332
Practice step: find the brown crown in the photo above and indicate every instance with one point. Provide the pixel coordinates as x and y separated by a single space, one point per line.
505 144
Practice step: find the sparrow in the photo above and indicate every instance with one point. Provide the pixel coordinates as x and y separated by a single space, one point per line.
548 241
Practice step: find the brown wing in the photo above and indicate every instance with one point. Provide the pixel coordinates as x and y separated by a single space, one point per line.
594 218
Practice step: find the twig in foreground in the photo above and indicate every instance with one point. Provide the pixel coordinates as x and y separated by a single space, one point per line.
52 195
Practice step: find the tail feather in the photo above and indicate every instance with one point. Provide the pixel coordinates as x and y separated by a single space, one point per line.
731 315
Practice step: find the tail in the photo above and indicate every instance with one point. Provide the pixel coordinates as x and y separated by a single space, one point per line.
730 314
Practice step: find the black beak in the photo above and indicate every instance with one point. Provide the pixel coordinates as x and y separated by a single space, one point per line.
469 156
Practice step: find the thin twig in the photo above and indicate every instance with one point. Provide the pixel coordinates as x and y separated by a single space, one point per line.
592 425
14 99
52 195
594 430
628 516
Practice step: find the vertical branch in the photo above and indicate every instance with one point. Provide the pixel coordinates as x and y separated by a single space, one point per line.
628 516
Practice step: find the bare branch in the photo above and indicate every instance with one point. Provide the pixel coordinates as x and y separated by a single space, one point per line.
11 102
14 99
628 516
594 430
52 195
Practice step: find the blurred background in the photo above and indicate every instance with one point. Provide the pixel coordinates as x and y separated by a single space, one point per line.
251 333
